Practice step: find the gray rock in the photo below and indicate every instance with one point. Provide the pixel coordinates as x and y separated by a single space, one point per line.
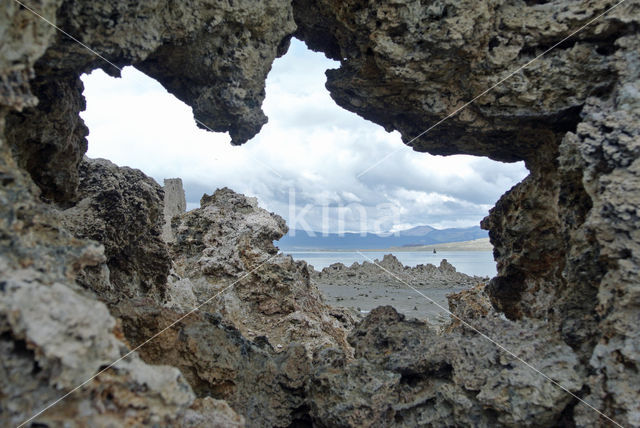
174 204
54 335
406 65
230 238
218 362
566 238
121 208
405 374
51 151
213 56
391 273
25 37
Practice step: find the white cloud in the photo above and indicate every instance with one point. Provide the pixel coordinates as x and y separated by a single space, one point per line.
310 145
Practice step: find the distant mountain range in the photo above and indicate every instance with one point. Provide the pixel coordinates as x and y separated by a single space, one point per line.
420 235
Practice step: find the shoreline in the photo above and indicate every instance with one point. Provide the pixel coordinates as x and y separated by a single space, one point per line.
479 245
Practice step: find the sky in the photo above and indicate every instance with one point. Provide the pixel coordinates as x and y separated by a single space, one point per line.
305 164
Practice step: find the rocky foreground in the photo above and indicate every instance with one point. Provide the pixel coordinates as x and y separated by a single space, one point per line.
85 276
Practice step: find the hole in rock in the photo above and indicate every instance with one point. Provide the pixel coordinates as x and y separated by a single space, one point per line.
306 166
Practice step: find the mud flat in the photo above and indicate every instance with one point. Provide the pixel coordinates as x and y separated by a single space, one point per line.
361 299
362 287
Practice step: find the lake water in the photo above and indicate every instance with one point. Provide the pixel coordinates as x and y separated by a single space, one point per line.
479 263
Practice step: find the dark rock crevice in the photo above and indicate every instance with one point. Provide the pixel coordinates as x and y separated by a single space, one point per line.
122 209
49 140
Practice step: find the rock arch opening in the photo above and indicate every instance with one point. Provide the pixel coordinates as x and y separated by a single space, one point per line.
306 164
566 237
317 165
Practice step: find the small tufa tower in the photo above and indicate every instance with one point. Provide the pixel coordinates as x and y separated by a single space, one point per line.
174 204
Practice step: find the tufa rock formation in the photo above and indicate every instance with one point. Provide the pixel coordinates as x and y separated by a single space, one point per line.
428 276
121 208
52 150
55 335
565 238
174 204
213 56
219 363
80 240
229 237
405 374
407 64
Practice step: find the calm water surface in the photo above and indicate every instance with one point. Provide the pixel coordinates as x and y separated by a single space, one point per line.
479 263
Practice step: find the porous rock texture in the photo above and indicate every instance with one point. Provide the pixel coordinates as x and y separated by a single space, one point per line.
565 238
175 203
567 294
408 64
49 140
121 208
258 322
230 237
55 332
390 272
405 374
54 335
220 363
213 55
